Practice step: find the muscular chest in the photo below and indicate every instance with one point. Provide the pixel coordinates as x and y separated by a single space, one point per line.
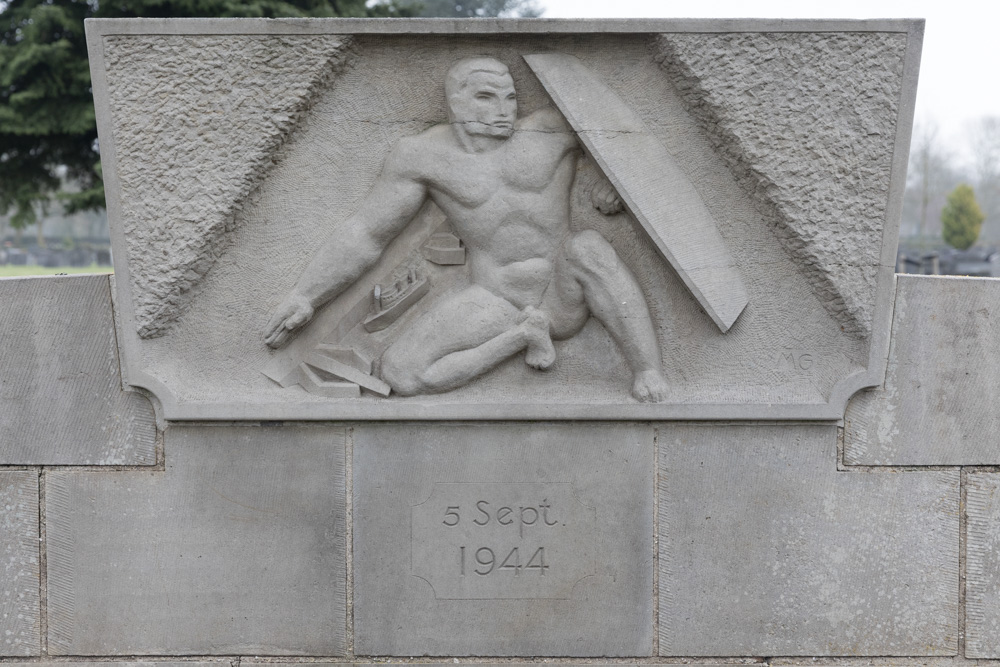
523 165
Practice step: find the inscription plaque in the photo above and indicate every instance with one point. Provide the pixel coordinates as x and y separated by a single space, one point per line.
516 539
502 541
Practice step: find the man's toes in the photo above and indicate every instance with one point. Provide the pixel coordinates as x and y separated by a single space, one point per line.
650 386
540 358
641 392
658 394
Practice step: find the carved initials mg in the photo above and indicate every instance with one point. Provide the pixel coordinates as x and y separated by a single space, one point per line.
796 360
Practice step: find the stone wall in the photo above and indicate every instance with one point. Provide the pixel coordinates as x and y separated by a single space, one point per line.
126 538
759 445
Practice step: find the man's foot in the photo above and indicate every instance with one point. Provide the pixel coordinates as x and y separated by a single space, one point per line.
540 353
650 386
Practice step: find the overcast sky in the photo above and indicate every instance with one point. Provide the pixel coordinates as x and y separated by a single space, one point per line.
958 70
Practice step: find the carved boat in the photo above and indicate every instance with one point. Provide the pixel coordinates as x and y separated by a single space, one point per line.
389 304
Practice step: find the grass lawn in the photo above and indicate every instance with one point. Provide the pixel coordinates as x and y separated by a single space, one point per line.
11 271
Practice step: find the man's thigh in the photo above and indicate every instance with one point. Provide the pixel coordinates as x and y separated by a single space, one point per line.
460 321
564 301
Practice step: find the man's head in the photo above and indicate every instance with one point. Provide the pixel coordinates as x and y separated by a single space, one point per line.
480 94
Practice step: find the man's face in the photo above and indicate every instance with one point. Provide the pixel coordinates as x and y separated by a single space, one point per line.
486 105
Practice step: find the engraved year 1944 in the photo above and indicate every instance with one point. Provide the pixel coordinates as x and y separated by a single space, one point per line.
516 559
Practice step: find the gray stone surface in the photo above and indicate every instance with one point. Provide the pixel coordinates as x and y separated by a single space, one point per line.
868 662
201 133
238 547
766 549
392 91
581 516
60 389
19 610
982 566
937 406
515 663
122 663
817 154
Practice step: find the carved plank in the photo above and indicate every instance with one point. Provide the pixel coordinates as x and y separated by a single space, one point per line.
650 182
349 373
314 384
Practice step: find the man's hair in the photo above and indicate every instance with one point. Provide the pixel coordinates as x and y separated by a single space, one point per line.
459 73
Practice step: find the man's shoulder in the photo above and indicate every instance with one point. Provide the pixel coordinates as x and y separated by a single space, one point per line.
412 152
546 119
433 136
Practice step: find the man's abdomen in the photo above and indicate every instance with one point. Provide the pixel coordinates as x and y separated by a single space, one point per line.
522 283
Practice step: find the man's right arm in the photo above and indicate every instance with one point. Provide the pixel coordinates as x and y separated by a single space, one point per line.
395 198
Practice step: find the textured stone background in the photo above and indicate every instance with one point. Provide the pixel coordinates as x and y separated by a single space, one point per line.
807 123
193 136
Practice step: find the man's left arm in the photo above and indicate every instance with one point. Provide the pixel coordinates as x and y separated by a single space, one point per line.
603 195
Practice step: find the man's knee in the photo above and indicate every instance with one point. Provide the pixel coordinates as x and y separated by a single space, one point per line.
400 372
591 252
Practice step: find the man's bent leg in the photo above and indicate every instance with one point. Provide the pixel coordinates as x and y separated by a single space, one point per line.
462 337
615 299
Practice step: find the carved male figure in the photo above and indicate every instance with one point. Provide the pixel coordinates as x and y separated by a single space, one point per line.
504 184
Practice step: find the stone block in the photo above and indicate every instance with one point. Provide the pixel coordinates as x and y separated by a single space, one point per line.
503 540
936 406
501 664
373 663
237 547
865 662
767 549
982 566
19 611
60 388
129 663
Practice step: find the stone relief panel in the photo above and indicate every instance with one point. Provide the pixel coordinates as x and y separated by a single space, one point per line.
575 221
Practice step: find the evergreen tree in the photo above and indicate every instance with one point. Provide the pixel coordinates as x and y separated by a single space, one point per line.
961 218
48 131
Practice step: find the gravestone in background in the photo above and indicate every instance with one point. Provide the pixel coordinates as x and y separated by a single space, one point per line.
495 339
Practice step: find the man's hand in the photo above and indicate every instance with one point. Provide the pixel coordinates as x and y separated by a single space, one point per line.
605 199
293 314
